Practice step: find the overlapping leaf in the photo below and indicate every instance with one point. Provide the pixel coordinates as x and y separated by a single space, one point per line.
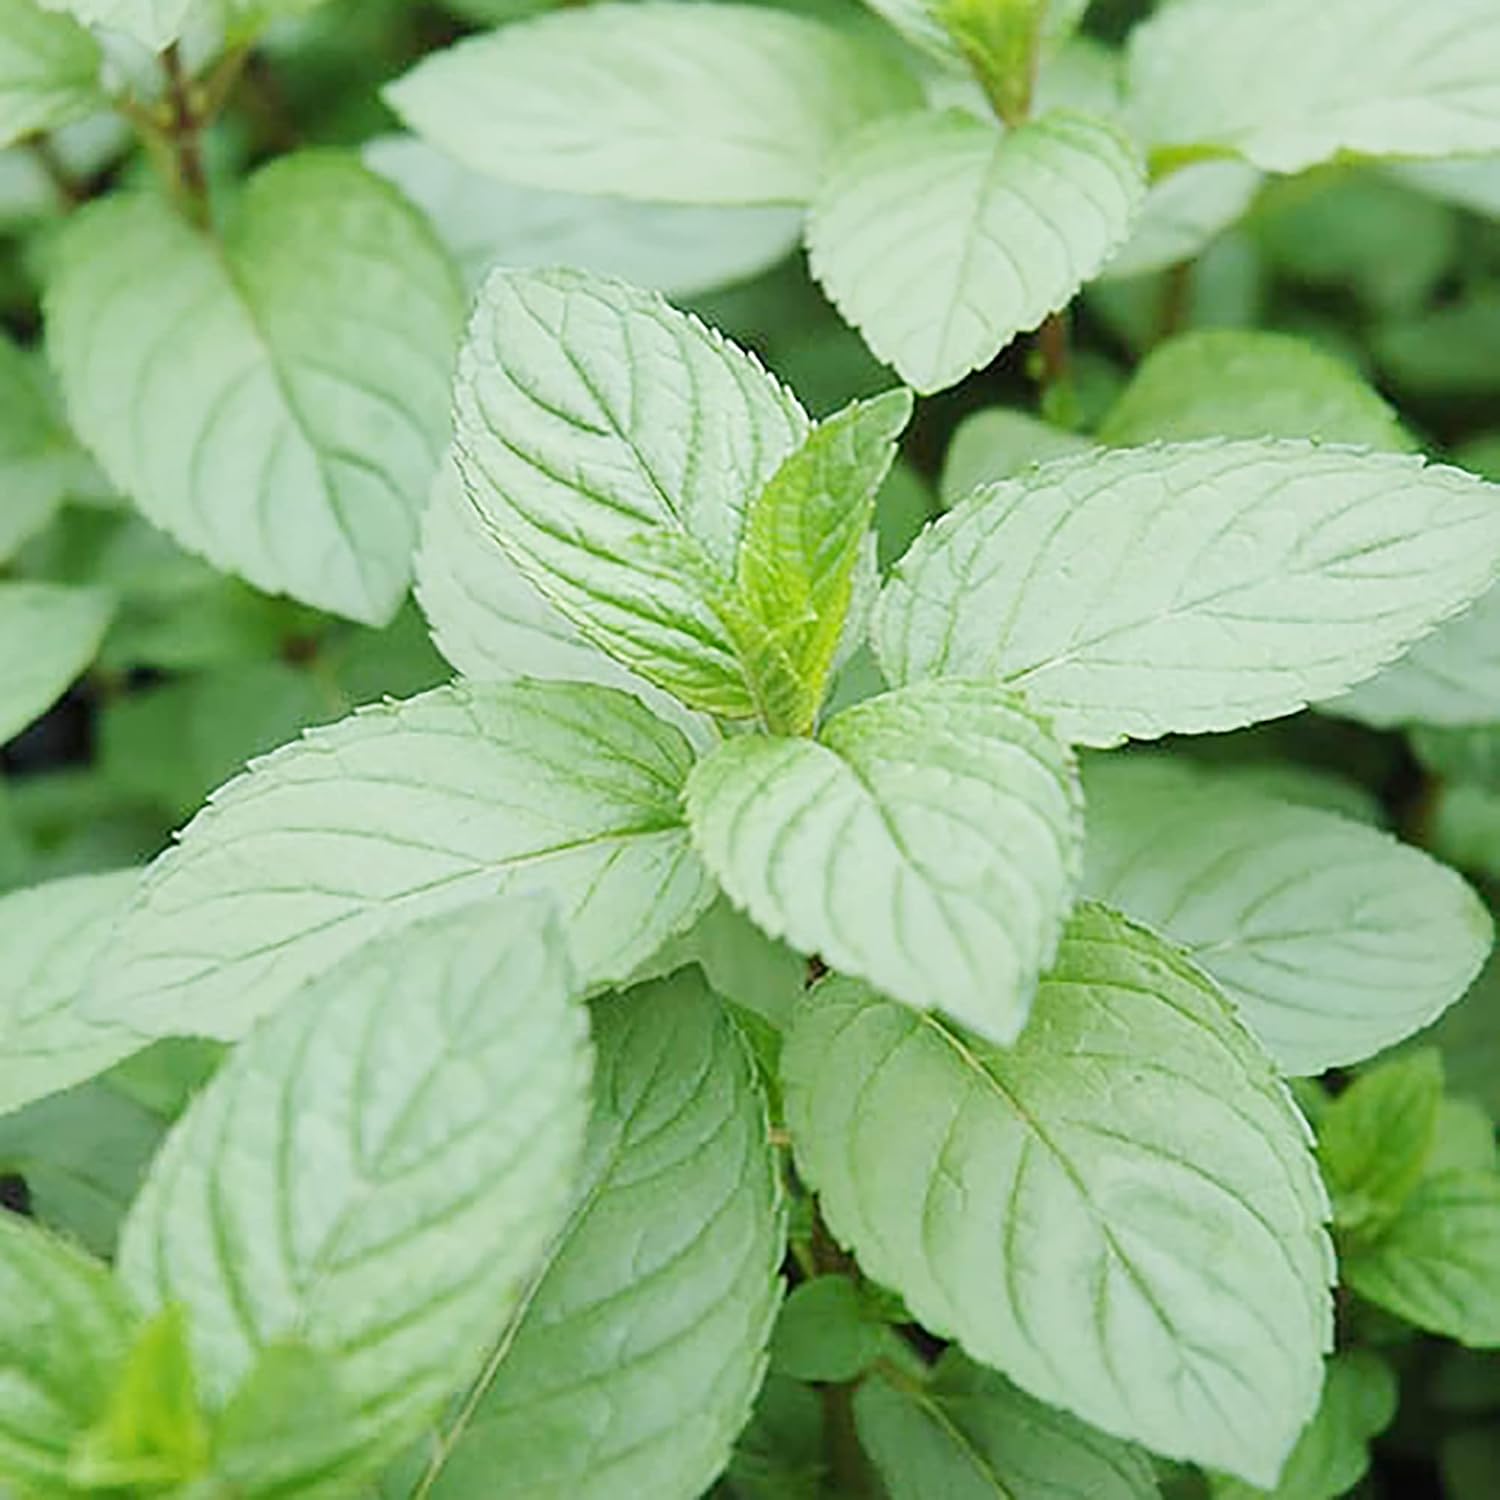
48 634
49 70
1121 1212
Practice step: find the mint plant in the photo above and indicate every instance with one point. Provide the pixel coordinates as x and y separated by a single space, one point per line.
839 945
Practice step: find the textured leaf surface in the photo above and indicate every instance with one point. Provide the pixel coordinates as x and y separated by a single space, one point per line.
489 622
641 1346
399 811
1288 85
51 935
48 634
1121 1212
1452 678
377 1171
1438 1265
996 443
636 101
65 1329
613 445
154 22
1333 939
1190 588
941 237
49 70
674 248
280 407
1333 1453
969 1434
928 841
1239 383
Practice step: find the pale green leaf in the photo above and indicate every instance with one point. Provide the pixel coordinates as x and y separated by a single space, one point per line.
1244 383
1375 1139
674 248
377 1171
279 405
1333 939
967 1433
1472 182
1190 588
997 443
927 841
941 236
1451 679
804 535
1121 1212
1438 1263
49 70
51 936
65 1331
490 623
733 104
918 21
826 1331
1287 85
48 634
1182 215
1333 1453
402 810
613 445
152 22
636 1357
39 461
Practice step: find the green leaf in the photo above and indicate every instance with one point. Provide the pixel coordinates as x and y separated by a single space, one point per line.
1191 588
82 1154
613 445
491 624
65 1332
1450 679
1182 215
1333 939
665 102
377 1171
928 841
48 634
803 539
152 22
399 811
1463 1140
1243 383
826 1331
676 248
1121 1212
271 1439
997 443
780 1455
636 1357
51 936
1333 1453
969 1434
49 70
279 403
153 1433
39 461
1287 85
1438 1264
1374 1140
941 237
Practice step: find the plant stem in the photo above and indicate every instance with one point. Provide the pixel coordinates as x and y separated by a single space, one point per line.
183 132
1052 345
847 1465
1176 300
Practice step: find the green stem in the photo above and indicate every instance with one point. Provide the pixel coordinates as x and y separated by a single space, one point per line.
184 125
